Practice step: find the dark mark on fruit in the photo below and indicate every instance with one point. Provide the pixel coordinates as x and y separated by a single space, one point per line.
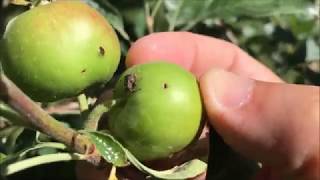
130 82
83 71
102 51
165 85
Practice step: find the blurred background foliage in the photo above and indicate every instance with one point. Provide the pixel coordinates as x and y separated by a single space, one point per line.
282 34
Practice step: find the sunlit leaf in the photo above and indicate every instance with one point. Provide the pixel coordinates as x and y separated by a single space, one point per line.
15 167
313 50
2 157
187 170
20 2
191 12
258 8
109 148
52 145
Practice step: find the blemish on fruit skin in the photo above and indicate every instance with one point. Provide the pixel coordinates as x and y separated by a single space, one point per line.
83 71
165 85
130 82
102 51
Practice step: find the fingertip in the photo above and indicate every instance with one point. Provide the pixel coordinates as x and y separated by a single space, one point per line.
197 54
174 47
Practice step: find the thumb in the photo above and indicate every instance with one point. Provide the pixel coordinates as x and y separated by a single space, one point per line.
274 123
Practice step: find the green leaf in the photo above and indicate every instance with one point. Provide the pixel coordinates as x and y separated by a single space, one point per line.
11 115
16 157
191 12
110 149
111 13
187 11
106 145
20 2
187 170
12 138
39 160
2 157
53 145
313 50
136 17
258 8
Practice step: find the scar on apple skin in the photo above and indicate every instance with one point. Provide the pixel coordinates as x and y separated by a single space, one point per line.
102 51
165 86
130 82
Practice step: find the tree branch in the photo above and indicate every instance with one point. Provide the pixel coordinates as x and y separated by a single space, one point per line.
40 119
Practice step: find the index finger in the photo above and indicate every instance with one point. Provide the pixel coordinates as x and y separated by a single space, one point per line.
197 53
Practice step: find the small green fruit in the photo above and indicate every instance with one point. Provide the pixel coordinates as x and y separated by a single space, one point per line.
57 50
158 111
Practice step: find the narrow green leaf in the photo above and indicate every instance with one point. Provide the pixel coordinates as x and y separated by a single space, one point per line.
111 13
11 115
105 143
20 2
39 160
2 157
54 145
12 139
136 18
16 157
187 170
109 148
192 12
258 8
186 11
313 50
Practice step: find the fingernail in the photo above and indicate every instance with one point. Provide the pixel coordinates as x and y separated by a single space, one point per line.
229 90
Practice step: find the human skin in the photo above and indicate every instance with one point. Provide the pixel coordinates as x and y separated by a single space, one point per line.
255 112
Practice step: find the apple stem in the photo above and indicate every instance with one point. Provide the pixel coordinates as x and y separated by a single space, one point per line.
113 173
83 103
37 117
91 123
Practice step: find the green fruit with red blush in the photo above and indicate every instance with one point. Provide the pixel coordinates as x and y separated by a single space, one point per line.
58 50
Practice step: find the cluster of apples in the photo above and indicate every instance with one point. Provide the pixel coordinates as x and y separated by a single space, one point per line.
60 49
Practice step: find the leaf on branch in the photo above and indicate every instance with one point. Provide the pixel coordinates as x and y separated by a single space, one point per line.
39 160
192 12
11 115
106 145
2 157
313 50
258 8
12 139
20 2
187 170
111 13
109 148
54 145
19 156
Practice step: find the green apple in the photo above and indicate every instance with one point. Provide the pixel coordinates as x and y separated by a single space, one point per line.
58 50
158 110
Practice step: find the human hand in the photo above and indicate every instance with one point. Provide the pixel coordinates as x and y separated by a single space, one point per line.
250 107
